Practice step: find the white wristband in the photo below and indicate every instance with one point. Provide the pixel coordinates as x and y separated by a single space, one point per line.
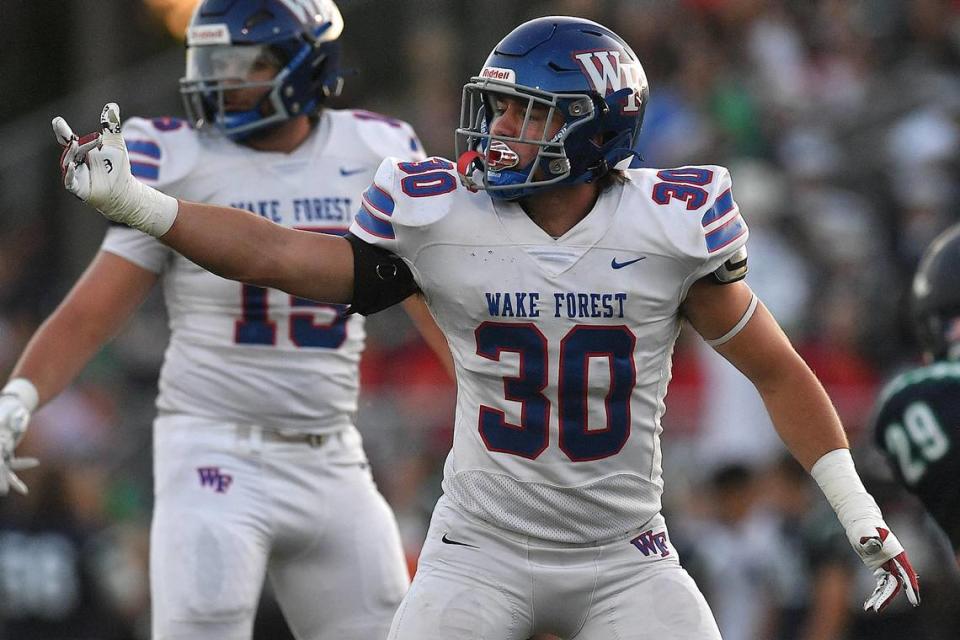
146 209
162 210
23 390
840 483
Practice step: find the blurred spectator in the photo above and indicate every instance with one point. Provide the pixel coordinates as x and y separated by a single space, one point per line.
815 568
735 551
65 572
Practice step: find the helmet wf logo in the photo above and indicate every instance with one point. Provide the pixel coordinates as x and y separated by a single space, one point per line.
608 74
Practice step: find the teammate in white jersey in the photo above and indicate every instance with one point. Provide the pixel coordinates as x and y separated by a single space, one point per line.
560 280
258 467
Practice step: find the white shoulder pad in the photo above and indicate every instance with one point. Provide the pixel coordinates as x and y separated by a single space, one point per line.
162 150
704 221
387 137
692 216
722 228
405 194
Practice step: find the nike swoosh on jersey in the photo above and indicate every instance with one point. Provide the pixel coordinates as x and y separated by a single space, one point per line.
349 172
621 265
446 540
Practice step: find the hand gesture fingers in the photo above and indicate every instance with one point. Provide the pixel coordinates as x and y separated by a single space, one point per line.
894 575
76 176
62 131
8 477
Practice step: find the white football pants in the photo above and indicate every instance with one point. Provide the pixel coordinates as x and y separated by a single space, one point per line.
478 582
232 506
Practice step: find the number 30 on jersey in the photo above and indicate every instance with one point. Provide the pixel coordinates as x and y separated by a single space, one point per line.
582 343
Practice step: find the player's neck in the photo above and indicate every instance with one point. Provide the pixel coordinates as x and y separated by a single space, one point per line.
558 210
285 138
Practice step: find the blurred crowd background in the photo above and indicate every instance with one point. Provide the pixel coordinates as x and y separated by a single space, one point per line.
840 122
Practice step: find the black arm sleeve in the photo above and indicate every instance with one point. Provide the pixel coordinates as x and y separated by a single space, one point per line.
380 278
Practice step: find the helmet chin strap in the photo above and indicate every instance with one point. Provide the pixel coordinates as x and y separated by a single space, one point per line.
468 164
236 119
622 159
239 118
472 165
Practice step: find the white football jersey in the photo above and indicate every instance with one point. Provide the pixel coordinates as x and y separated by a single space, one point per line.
244 353
562 346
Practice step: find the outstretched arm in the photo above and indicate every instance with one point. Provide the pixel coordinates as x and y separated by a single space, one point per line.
745 333
232 243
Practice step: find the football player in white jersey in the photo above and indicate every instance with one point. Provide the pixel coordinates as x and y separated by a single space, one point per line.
259 469
560 279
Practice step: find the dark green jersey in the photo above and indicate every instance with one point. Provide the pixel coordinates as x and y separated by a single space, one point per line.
917 426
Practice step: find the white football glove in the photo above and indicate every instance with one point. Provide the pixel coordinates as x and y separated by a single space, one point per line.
14 416
868 534
96 169
881 551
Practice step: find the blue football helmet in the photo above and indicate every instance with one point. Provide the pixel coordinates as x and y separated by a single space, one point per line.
231 42
573 66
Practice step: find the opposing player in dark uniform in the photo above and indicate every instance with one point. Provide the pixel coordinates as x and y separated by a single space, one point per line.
917 422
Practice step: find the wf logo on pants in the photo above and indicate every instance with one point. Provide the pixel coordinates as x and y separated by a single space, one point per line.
649 542
212 477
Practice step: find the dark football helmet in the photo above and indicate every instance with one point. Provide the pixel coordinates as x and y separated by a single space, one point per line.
228 40
573 66
935 296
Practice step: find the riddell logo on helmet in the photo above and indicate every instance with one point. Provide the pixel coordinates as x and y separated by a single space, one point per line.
496 73
208 34
608 75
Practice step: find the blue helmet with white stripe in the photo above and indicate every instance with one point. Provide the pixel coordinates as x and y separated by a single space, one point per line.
571 66
286 49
